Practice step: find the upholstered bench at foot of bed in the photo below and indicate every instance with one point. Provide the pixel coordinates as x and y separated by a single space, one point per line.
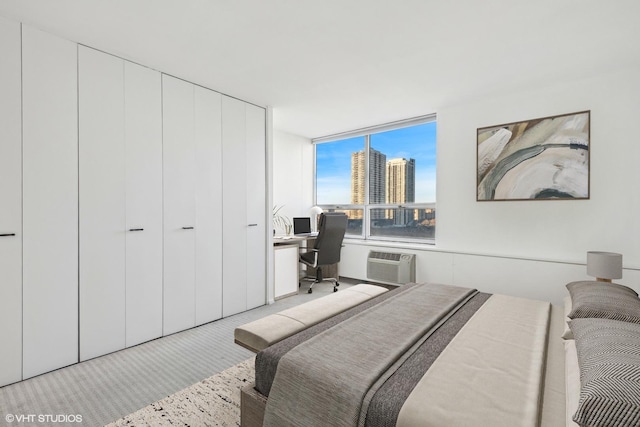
262 333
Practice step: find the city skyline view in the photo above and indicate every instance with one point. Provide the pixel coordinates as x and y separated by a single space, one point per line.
334 162
391 181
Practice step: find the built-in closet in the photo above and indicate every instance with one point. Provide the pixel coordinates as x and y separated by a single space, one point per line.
243 199
133 203
120 176
193 260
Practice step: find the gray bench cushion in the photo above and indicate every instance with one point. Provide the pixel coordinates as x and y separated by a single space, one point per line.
262 333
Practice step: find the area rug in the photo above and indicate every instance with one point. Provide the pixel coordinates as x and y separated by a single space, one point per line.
211 402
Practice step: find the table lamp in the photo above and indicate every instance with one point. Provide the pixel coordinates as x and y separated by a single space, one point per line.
314 212
604 266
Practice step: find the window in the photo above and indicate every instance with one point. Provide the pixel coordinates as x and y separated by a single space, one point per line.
383 178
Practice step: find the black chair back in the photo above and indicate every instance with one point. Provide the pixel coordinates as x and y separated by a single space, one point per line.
331 231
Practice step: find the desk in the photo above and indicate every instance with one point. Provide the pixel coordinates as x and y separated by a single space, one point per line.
291 240
286 270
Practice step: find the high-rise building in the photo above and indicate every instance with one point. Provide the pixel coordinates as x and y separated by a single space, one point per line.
400 188
376 174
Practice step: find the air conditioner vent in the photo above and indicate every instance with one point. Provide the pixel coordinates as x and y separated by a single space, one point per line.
391 267
385 255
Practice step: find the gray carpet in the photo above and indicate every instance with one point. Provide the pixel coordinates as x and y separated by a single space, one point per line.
107 388
213 402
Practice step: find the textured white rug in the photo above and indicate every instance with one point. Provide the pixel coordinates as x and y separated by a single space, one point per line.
211 402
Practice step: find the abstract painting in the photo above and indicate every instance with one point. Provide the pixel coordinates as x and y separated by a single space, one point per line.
546 158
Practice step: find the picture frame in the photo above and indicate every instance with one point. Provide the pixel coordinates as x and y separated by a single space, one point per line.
546 158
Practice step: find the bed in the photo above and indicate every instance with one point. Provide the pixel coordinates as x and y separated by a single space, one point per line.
421 355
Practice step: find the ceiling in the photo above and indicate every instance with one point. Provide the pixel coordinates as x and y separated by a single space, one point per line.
328 66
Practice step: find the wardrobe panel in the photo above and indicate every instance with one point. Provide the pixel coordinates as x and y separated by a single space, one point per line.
143 142
256 191
179 163
102 203
50 202
11 205
234 205
209 256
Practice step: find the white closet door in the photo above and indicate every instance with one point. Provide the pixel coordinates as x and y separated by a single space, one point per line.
102 203
234 205
50 202
143 137
256 206
208 140
10 205
179 161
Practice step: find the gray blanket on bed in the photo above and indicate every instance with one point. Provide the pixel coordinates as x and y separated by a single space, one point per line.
267 360
317 385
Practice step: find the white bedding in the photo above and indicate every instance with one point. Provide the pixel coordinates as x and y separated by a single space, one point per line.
553 405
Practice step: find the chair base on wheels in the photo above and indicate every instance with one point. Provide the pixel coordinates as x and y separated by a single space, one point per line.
319 279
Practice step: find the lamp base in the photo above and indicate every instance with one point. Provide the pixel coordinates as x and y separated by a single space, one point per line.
600 279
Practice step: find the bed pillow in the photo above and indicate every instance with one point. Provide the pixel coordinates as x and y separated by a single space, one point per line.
572 381
603 300
609 360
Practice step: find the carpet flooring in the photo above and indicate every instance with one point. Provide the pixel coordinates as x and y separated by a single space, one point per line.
213 402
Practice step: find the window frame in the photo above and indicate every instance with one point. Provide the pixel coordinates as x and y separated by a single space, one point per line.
367 207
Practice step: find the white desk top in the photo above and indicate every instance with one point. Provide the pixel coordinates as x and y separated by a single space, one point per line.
291 239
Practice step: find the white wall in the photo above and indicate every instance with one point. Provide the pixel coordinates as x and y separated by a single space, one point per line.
533 248
561 230
530 278
292 174
555 230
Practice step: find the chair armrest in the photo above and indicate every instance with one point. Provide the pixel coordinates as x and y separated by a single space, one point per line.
315 258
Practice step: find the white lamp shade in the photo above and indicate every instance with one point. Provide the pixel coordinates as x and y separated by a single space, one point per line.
604 265
316 210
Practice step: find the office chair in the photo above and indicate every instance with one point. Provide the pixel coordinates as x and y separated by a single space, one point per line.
326 250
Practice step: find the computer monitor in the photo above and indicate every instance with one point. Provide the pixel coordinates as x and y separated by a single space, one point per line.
302 225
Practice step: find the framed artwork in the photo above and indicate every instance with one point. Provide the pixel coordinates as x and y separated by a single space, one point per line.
538 159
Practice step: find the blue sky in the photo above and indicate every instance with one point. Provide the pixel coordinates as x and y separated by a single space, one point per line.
333 161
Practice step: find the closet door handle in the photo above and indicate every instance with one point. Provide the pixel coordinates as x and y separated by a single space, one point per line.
187 228
7 234
253 225
136 229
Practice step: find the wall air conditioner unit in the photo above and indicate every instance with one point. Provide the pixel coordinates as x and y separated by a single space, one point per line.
393 268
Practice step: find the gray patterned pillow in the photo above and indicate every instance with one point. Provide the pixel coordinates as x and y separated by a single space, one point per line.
609 360
604 300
